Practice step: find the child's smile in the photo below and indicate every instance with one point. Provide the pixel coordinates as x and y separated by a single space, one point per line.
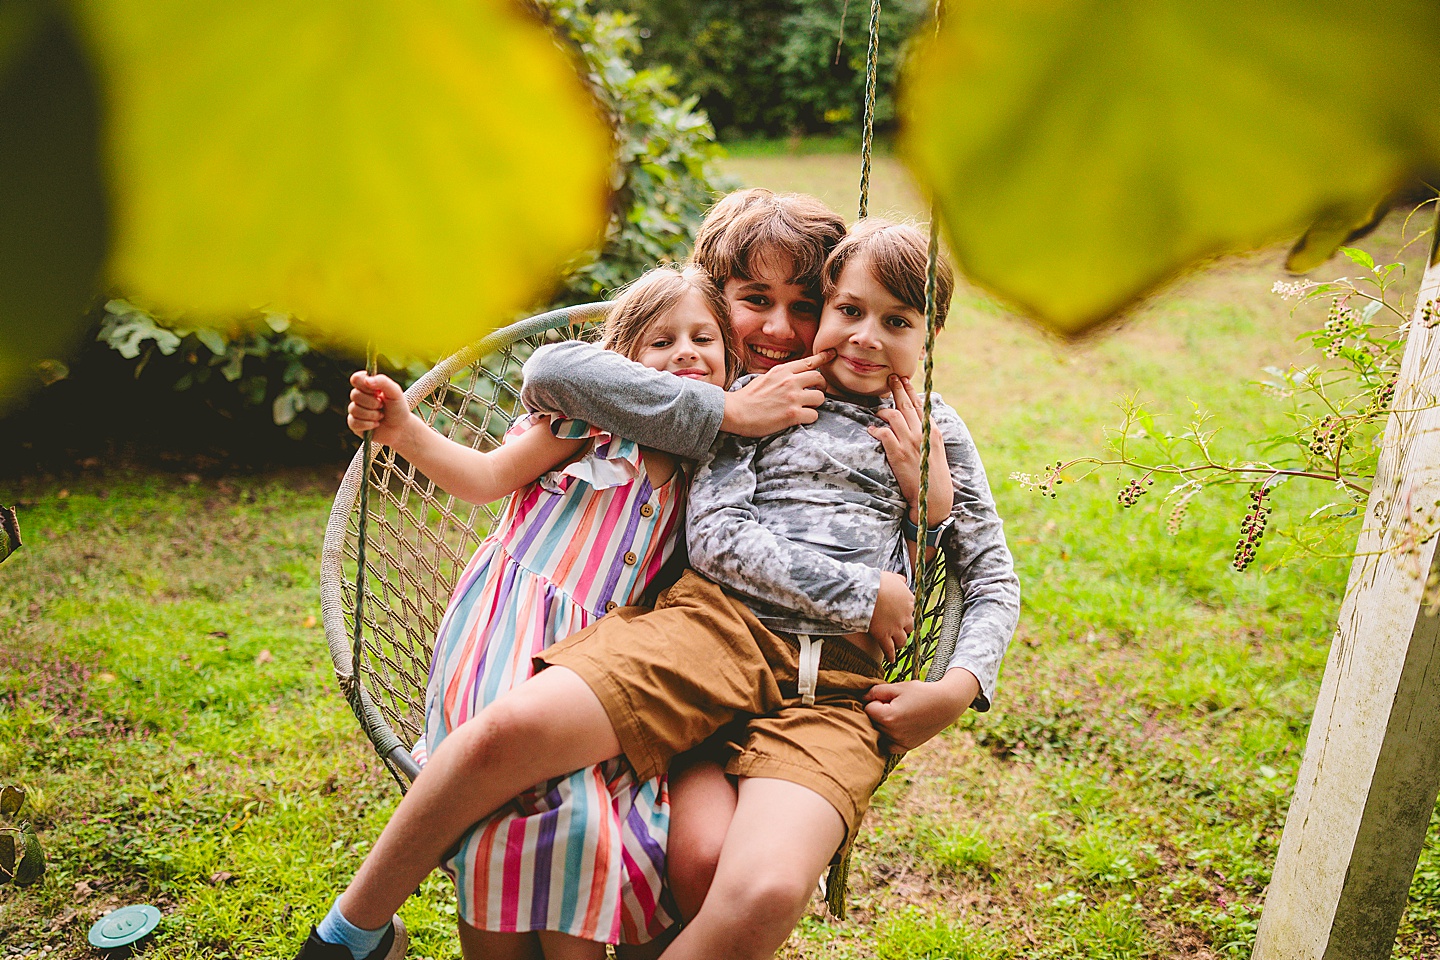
773 319
874 335
686 341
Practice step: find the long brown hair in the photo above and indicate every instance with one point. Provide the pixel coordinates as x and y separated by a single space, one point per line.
655 294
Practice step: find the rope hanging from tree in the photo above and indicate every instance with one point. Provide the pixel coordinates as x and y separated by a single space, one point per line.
382 736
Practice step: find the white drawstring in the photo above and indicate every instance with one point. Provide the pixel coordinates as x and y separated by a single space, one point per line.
809 667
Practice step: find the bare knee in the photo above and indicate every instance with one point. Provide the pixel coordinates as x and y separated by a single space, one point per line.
766 907
500 735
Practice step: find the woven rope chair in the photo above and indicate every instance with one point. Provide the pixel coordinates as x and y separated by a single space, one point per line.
420 538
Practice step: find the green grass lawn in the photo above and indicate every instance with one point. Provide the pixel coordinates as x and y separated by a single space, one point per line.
166 693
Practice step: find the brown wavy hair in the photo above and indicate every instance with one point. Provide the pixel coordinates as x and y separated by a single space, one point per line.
747 227
898 255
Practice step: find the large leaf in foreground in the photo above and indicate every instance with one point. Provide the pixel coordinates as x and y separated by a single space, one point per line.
403 172
1081 151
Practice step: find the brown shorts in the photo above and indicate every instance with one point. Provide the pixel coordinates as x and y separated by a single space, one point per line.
668 678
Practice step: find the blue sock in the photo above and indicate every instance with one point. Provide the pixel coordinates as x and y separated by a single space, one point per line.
336 929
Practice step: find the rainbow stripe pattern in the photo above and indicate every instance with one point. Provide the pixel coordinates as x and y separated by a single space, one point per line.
582 854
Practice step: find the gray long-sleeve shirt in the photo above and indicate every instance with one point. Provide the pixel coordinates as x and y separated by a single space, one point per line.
582 381
680 416
800 524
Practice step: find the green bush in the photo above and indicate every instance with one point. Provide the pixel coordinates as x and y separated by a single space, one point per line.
768 68
266 370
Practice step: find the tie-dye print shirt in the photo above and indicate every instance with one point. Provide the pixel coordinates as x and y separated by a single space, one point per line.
800 525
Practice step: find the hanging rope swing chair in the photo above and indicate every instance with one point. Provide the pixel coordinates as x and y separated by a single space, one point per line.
395 543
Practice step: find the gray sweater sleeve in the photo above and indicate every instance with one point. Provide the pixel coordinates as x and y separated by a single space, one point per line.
582 381
976 539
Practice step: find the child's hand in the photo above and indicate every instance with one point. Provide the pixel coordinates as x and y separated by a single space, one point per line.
377 403
894 614
912 712
784 397
901 439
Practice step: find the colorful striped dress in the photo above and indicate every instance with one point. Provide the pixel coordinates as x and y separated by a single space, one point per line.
583 854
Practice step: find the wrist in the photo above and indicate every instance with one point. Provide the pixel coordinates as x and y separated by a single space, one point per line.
931 535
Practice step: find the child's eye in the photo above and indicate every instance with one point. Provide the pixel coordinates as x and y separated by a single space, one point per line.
902 323
849 310
758 300
662 342
805 306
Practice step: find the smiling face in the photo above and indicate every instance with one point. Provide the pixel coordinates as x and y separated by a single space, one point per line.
686 341
873 333
773 318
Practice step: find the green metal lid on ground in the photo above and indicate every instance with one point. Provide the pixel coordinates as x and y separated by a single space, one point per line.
122 927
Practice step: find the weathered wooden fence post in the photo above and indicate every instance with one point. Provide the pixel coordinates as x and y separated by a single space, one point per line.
1371 770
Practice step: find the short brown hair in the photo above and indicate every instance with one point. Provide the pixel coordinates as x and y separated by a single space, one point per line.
654 294
745 227
898 255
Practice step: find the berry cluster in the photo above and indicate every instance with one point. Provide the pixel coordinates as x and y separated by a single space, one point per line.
1430 314
1252 528
1332 434
1384 394
1043 483
1131 493
1176 520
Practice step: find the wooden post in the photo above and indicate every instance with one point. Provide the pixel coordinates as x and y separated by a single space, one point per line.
1371 770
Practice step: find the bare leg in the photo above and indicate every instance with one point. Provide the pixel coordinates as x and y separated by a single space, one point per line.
562 946
702 801
549 725
487 945
780 840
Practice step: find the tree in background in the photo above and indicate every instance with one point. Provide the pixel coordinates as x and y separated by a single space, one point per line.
766 68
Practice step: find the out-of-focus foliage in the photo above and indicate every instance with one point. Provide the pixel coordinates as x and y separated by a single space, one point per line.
406 173
778 67
259 361
52 198
665 175
265 362
1081 151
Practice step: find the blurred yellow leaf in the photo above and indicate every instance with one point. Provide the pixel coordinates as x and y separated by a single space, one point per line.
407 173
1081 151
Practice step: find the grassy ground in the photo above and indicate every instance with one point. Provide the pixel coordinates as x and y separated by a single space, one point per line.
166 694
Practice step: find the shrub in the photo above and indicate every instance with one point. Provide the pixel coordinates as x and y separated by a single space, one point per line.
767 68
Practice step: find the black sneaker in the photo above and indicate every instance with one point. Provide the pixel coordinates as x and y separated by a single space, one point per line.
392 946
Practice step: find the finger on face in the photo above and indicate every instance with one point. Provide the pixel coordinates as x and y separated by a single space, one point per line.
810 379
814 361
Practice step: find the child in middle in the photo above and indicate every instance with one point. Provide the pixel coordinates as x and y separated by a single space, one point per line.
578 860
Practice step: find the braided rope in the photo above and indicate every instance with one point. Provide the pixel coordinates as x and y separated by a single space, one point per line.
872 56
931 312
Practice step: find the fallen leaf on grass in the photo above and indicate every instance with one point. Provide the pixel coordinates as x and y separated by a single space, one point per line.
265 656
83 890
309 622
63 918
218 634
220 878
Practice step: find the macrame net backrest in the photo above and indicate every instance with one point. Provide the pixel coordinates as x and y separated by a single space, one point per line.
419 538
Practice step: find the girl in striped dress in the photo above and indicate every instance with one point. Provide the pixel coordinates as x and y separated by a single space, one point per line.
579 861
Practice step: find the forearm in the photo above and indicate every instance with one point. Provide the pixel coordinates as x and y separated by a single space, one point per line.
585 382
477 477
